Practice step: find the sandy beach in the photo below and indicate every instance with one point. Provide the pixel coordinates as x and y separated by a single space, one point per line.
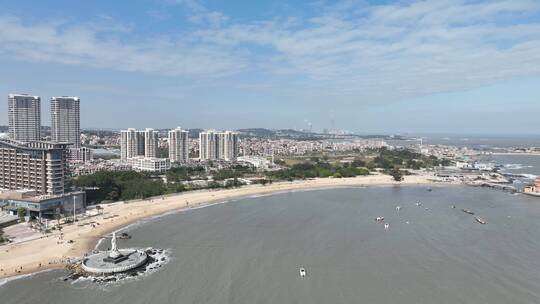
52 252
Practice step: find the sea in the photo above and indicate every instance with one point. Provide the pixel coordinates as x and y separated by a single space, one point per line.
250 251
528 165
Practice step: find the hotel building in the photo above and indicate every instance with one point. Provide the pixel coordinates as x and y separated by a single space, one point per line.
38 166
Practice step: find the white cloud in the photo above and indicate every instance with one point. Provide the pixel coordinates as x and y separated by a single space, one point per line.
350 49
86 45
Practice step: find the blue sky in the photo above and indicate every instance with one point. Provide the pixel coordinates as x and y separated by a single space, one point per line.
371 66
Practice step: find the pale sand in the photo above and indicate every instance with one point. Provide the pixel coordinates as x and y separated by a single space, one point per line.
46 253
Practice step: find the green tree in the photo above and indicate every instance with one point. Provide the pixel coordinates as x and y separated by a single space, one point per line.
21 212
396 174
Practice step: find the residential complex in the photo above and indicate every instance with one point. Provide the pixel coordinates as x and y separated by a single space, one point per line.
151 137
132 143
227 146
39 166
139 150
178 145
218 145
208 145
24 117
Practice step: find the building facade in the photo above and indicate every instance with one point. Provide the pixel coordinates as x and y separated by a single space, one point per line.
151 138
208 145
227 146
24 117
66 120
149 164
178 145
132 143
38 166
218 145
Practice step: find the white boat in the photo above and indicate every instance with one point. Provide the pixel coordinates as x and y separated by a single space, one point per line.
303 273
398 208
379 218
386 226
418 204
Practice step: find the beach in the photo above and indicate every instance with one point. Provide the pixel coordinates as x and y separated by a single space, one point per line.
51 252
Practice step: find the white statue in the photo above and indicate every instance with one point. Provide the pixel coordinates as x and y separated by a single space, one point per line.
114 250
113 242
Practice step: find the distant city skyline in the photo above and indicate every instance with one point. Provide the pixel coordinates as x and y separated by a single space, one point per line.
446 66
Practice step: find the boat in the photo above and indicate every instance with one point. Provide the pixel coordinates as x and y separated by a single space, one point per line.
398 208
418 204
303 273
481 221
467 211
386 226
379 218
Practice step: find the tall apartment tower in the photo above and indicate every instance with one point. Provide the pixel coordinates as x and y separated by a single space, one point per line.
178 145
227 145
24 117
40 166
134 143
66 120
131 143
151 137
208 145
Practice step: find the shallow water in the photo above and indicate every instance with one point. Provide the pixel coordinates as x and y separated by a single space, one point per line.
249 251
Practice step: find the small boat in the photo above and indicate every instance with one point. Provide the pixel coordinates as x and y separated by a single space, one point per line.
379 218
481 221
467 211
303 273
418 204
398 208
386 226
453 207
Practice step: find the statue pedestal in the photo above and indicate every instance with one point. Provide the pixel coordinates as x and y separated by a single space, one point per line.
115 260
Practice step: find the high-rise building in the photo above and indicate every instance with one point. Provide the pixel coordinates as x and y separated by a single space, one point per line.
131 143
151 137
38 166
134 143
66 120
227 145
24 117
207 145
218 145
178 145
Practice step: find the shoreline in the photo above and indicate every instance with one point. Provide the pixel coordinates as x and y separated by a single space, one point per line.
50 252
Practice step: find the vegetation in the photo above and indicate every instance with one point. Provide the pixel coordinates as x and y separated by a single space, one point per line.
396 174
123 185
2 239
21 212
404 159
317 168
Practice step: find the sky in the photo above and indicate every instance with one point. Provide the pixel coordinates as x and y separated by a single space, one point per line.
445 66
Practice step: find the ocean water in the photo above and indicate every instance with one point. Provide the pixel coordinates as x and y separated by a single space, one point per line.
250 251
516 164
482 142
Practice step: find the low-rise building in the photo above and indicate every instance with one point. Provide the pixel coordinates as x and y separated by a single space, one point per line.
42 205
149 164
